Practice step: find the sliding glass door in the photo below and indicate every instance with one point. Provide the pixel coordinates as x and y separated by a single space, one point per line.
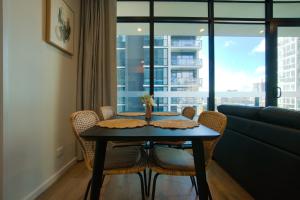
240 64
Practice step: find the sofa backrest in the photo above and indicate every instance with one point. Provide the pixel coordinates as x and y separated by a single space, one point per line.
240 111
272 115
280 116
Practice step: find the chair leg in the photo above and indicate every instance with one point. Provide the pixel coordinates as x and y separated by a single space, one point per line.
145 183
209 193
149 182
87 189
103 177
195 184
154 185
192 180
142 185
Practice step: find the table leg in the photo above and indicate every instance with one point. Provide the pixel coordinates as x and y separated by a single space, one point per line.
199 161
98 169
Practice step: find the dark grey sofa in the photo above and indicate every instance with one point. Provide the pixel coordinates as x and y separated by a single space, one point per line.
260 149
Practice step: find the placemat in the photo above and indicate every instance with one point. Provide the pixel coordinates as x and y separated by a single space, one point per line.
176 124
122 123
131 114
165 113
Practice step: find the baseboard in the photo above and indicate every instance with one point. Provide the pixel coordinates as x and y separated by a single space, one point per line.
47 183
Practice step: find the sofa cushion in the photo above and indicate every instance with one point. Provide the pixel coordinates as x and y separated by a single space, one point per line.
125 157
249 112
280 116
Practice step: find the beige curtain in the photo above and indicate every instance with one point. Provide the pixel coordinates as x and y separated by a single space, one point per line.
97 55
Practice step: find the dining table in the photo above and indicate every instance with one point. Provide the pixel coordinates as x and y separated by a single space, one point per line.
150 133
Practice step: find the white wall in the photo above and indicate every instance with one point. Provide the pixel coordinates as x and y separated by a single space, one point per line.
1 99
39 95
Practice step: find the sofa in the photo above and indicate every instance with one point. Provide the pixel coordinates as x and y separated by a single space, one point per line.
260 149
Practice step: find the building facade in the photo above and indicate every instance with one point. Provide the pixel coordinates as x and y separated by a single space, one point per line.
289 72
178 80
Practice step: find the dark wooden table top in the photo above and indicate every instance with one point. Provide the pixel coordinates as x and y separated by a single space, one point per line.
150 132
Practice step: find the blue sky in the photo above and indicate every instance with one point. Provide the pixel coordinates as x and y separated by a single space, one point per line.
238 53
239 62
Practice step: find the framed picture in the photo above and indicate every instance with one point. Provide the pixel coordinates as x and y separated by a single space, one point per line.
60 25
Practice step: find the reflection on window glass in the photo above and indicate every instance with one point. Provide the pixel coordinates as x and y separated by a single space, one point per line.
181 67
132 76
239 10
286 10
132 8
288 51
162 56
180 9
240 64
160 74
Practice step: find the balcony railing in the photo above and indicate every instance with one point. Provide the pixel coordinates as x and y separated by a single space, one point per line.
186 81
157 61
158 41
185 62
156 82
186 43
199 98
186 100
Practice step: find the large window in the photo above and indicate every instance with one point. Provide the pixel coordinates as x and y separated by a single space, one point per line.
240 64
201 54
186 73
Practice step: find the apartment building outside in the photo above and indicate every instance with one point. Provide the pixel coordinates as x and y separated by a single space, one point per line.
289 72
177 78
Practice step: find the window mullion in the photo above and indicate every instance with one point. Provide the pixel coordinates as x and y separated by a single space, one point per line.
151 47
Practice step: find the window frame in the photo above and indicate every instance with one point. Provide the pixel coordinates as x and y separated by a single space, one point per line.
269 21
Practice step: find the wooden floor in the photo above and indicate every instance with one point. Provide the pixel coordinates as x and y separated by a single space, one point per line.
71 186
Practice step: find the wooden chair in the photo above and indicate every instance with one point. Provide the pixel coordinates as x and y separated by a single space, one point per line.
108 112
177 162
118 161
188 112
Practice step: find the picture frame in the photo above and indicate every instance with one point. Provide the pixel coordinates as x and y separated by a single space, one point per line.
60 25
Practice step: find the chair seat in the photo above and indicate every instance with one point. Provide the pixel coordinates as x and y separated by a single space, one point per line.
174 159
121 158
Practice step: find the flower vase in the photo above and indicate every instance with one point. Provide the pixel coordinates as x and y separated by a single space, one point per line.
148 112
